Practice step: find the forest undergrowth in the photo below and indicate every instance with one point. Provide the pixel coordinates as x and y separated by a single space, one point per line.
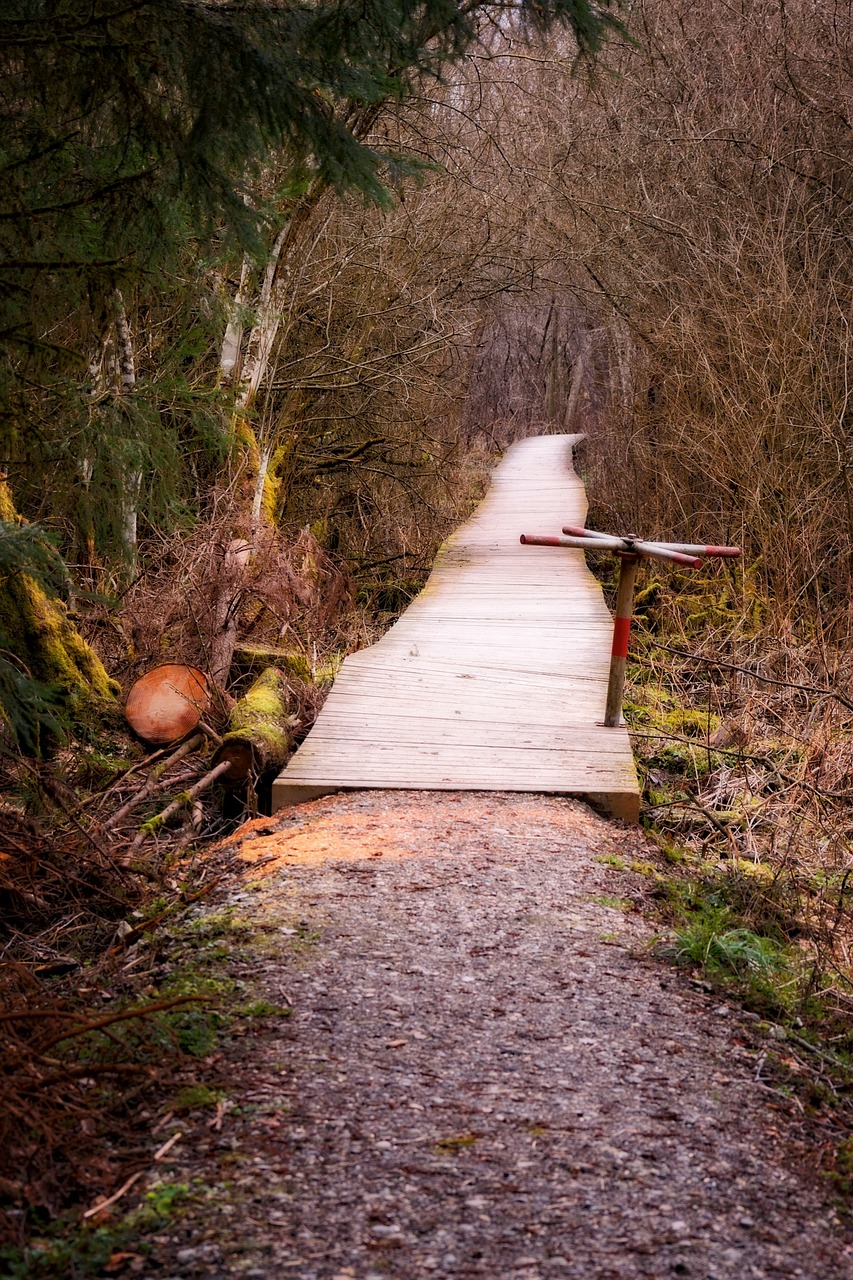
91 883
742 728
253 446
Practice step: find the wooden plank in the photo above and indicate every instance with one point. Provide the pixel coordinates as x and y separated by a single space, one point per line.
495 677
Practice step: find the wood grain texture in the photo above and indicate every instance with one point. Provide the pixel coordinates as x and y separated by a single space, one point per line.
495 677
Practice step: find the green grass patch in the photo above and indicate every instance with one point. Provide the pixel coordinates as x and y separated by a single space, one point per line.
461 1142
65 1249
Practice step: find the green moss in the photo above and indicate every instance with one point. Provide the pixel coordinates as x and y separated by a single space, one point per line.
462 1142
195 1097
86 1251
671 720
296 664
328 669
262 717
645 869
36 627
264 1009
219 924
674 854
263 700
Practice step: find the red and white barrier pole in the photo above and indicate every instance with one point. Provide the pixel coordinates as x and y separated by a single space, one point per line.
685 548
630 551
621 636
620 545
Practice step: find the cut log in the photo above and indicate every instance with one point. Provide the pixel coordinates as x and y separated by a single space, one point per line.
260 728
256 657
167 703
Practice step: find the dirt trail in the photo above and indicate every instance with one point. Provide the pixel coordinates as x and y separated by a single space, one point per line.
486 1073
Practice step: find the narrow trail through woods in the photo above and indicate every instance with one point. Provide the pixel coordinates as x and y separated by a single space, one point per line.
487 1072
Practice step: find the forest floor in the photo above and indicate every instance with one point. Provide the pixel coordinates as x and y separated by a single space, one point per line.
471 1061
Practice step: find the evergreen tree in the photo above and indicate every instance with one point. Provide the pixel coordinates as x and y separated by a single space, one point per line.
127 126
132 137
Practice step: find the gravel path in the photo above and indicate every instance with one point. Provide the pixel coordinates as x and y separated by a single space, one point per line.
487 1074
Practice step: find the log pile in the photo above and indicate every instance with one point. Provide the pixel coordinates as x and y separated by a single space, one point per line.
166 709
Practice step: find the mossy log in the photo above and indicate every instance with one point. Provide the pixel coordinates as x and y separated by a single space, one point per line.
37 629
257 657
260 728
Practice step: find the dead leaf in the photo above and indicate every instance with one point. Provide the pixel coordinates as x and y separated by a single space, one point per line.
118 1261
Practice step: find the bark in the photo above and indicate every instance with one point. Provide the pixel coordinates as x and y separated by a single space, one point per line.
232 343
226 606
37 629
126 377
263 335
260 729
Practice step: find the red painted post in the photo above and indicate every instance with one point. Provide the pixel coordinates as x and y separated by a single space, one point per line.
621 636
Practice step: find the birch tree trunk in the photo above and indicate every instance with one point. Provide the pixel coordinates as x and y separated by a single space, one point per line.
132 482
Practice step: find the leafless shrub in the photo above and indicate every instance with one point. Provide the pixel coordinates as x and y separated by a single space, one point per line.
291 594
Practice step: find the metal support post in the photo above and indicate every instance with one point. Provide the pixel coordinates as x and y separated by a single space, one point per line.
621 635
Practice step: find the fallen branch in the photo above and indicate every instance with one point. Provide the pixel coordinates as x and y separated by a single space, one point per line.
154 824
155 780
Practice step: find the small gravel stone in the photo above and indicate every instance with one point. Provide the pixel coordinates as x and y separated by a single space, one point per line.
486 1072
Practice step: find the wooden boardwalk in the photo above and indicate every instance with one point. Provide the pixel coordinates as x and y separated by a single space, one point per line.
494 679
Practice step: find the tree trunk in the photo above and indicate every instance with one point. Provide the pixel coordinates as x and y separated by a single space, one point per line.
167 703
37 630
226 606
260 729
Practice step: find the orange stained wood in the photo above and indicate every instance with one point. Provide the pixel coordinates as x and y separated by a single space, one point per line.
495 677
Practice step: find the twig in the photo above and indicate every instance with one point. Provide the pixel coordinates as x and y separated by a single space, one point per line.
715 821
122 776
756 675
162 1122
60 804
122 1191
134 934
124 1015
741 756
155 782
210 733
167 1145
185 798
